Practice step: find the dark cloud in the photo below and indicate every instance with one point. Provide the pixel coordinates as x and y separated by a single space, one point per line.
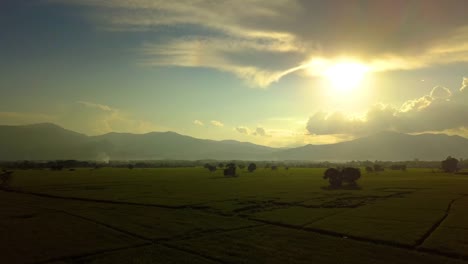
373 27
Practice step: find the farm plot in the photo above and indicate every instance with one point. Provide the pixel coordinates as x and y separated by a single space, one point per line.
33 234
452 234
282 245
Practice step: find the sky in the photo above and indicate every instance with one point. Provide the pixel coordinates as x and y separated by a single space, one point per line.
280 73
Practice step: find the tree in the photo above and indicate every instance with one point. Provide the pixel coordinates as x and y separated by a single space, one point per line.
450 164
252 167
337 177
210 167
350 175
220 165
274 167
230 170
369 169
334 177
5 179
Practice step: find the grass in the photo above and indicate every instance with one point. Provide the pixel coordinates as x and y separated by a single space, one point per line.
188 214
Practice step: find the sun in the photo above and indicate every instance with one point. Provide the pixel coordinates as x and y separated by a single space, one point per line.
345 76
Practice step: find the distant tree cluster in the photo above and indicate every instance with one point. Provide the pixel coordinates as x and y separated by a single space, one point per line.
401 167
338 177
378 167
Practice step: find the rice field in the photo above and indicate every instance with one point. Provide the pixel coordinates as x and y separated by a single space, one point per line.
189 215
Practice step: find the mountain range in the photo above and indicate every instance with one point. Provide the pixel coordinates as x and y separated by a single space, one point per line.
51 142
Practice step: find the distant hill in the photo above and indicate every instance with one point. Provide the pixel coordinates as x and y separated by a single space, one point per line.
389 146
51 142
170 145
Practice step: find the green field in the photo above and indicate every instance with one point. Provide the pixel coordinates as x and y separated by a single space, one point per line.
189 215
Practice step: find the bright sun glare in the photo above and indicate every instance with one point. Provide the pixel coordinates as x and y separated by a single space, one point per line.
345 76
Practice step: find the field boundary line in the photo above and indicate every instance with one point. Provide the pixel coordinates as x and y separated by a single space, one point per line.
53 196
437 224
117 229
90 254
366 240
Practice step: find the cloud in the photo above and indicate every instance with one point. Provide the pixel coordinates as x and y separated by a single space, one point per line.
260 131
440 92
464 84
243 130
198 123
261 41
439 111
216 123
97 106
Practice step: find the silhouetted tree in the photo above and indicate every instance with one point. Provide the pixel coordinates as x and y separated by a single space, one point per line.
5 179
337 177
350 175
274 167
334 177
252 167
230 170
220 165
210 167
450 164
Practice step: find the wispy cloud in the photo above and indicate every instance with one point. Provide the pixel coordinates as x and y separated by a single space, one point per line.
261 41
97 106
216 123
198 122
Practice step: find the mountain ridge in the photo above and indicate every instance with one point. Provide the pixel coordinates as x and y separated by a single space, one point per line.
48 141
